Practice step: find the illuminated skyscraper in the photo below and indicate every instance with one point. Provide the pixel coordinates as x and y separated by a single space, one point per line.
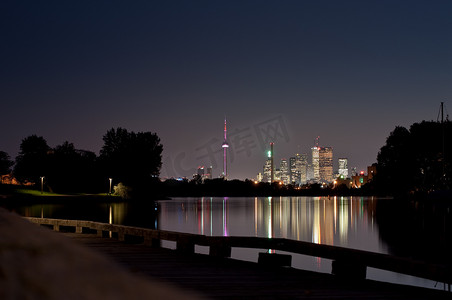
277 175
272 164
315 163
201 171
294 171
326 164
284 169
267 173
209 173
225 146
260 177
302 166
343 168
309 172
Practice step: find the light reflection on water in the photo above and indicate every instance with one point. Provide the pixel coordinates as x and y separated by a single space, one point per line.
340 221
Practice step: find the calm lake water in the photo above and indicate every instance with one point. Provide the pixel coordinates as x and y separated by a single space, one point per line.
365 223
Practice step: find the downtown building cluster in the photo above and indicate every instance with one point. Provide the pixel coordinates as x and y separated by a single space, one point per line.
302 169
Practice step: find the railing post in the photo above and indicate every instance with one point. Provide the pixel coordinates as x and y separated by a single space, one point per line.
349 270
56 227
152 242
275 259
152 239
121 235
78 229
185 245
220 251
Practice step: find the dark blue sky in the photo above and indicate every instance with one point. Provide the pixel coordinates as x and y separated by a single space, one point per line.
347 71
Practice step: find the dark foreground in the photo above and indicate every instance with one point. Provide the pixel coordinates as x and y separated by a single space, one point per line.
233 279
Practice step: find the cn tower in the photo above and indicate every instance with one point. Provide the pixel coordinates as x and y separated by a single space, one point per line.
225 146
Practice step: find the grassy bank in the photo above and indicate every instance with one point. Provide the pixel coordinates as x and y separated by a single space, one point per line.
15 194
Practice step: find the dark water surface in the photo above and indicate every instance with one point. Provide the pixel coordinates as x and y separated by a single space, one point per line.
365 223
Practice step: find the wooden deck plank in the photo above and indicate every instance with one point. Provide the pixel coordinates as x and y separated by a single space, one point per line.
229 278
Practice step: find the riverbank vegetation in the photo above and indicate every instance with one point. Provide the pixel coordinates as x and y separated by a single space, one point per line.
127 157
416 161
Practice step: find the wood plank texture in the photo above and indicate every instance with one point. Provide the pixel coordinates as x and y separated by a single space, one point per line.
223 278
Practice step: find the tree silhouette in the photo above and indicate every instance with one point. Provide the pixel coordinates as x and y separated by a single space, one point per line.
131 158
5 163
72 170
416 160
31 163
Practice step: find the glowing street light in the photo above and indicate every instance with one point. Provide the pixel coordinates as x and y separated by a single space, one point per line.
110 179
42 185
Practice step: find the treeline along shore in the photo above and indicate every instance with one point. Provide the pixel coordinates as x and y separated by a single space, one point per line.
415 161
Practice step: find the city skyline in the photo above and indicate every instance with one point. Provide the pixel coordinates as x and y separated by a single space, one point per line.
287 72
298 169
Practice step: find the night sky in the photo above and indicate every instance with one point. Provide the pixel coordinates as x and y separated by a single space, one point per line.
287 71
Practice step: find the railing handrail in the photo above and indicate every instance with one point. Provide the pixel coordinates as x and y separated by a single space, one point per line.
439 273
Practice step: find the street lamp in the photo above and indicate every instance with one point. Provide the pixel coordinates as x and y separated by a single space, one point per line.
110 179
42 185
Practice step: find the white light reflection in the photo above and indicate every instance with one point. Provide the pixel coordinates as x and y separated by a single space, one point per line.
211 217
335 214
269 218
255 217
351 212
343 221
202 215
270 221
316 234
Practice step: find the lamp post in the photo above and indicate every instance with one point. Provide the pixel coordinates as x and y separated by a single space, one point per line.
42 185
109 191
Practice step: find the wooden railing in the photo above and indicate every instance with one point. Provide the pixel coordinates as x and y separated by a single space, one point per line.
348 262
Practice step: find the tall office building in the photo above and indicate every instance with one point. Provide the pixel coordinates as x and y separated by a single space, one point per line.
272 171
277 175
302 166
201 171
316 163
343 168
284 169
209 173
326 164
298 168
294 171
267 172
260 177
309 172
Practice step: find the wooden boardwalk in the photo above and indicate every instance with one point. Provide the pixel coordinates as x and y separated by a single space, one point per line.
224 278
